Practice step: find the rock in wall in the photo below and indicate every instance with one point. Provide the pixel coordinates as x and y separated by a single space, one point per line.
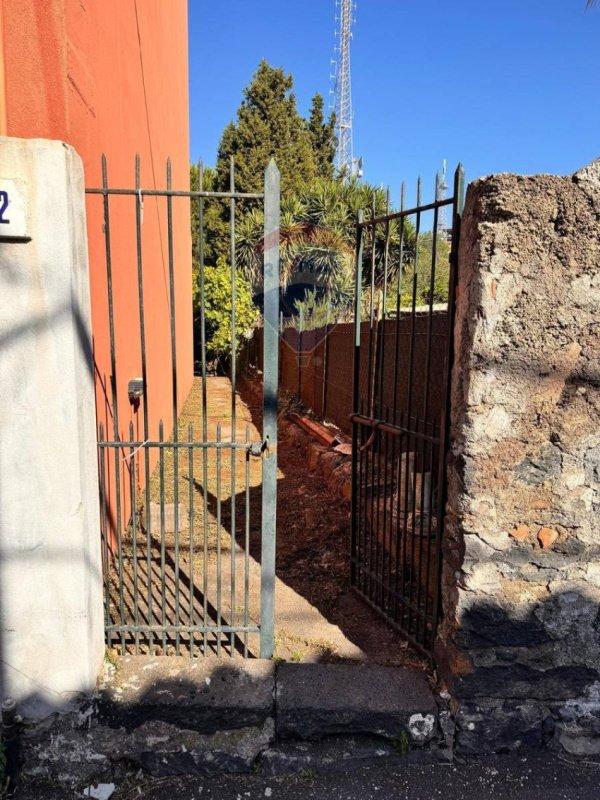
519 645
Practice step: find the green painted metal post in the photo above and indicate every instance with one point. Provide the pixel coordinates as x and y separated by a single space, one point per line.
358 279
270 390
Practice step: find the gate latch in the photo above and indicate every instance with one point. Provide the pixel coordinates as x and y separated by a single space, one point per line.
256 449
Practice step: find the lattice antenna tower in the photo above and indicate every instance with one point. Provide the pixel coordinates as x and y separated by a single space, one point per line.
342 91
442 227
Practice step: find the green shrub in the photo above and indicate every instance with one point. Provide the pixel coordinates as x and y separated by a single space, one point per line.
217 305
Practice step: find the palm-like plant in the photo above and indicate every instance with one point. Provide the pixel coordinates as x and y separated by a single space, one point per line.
318 241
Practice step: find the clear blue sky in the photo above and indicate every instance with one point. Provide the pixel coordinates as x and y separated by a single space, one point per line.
503 85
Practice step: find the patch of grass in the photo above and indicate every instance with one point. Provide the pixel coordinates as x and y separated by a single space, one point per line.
401 743
297 656
307 775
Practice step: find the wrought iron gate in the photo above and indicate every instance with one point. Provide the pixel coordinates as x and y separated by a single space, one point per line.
406 274
175 579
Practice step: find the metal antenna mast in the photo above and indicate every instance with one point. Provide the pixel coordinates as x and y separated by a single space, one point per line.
442 227
342 91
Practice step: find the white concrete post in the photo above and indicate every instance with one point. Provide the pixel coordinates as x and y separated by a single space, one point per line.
51 627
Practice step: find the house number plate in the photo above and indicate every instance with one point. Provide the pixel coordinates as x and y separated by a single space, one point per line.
13 212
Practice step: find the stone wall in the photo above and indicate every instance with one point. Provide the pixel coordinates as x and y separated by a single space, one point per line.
520 642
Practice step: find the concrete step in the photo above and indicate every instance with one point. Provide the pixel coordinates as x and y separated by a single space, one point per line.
317 700
307 701
205 695
176 716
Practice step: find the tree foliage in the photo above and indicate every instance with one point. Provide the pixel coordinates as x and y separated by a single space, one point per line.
323 139
319 211
267 126
217 311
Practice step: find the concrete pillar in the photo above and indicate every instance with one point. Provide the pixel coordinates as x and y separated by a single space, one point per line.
520 640
51 631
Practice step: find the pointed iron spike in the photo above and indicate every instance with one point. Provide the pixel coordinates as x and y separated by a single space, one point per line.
131 431
419 190
200 175
402 196
459 193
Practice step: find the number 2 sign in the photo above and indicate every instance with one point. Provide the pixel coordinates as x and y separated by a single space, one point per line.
13 211
4 207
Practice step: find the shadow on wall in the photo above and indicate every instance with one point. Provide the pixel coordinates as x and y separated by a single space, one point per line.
534 679
159 721
29 550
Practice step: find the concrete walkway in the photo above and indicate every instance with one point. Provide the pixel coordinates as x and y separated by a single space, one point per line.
196 586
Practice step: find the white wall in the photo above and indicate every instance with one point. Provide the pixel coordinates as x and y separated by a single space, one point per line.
51 626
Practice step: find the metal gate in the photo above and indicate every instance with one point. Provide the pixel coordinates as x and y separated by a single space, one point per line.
406 274
175 579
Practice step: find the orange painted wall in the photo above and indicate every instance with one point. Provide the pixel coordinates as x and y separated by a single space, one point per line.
111 76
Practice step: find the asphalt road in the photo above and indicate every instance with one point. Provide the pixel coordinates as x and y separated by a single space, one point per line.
543 776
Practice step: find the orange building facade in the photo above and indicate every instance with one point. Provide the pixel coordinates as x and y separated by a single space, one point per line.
111 76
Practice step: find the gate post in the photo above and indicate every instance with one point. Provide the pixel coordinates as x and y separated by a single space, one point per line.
519 644
51 632
270 391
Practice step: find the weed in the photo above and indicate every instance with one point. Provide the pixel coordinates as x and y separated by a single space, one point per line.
111 655
401 743
307 775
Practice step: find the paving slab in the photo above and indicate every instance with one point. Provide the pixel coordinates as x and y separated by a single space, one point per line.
316 700
204 695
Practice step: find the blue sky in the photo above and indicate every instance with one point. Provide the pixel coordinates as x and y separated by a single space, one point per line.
504 86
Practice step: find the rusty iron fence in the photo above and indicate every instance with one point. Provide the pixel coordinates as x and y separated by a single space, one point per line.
176 578
406 274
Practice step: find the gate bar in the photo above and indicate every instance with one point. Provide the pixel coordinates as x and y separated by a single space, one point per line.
270 386
459 200
356 383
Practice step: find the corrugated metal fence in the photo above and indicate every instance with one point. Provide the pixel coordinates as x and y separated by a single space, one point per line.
316 365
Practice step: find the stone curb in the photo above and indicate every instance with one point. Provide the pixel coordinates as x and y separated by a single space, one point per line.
173 716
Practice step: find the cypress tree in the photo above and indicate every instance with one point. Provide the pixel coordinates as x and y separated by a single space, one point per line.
323 139
268 125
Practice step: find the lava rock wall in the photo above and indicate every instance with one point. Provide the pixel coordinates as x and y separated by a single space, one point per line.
519 645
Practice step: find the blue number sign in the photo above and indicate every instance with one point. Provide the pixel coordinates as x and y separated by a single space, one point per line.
3 208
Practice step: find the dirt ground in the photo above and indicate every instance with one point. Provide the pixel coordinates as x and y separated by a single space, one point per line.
203 579
313 544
